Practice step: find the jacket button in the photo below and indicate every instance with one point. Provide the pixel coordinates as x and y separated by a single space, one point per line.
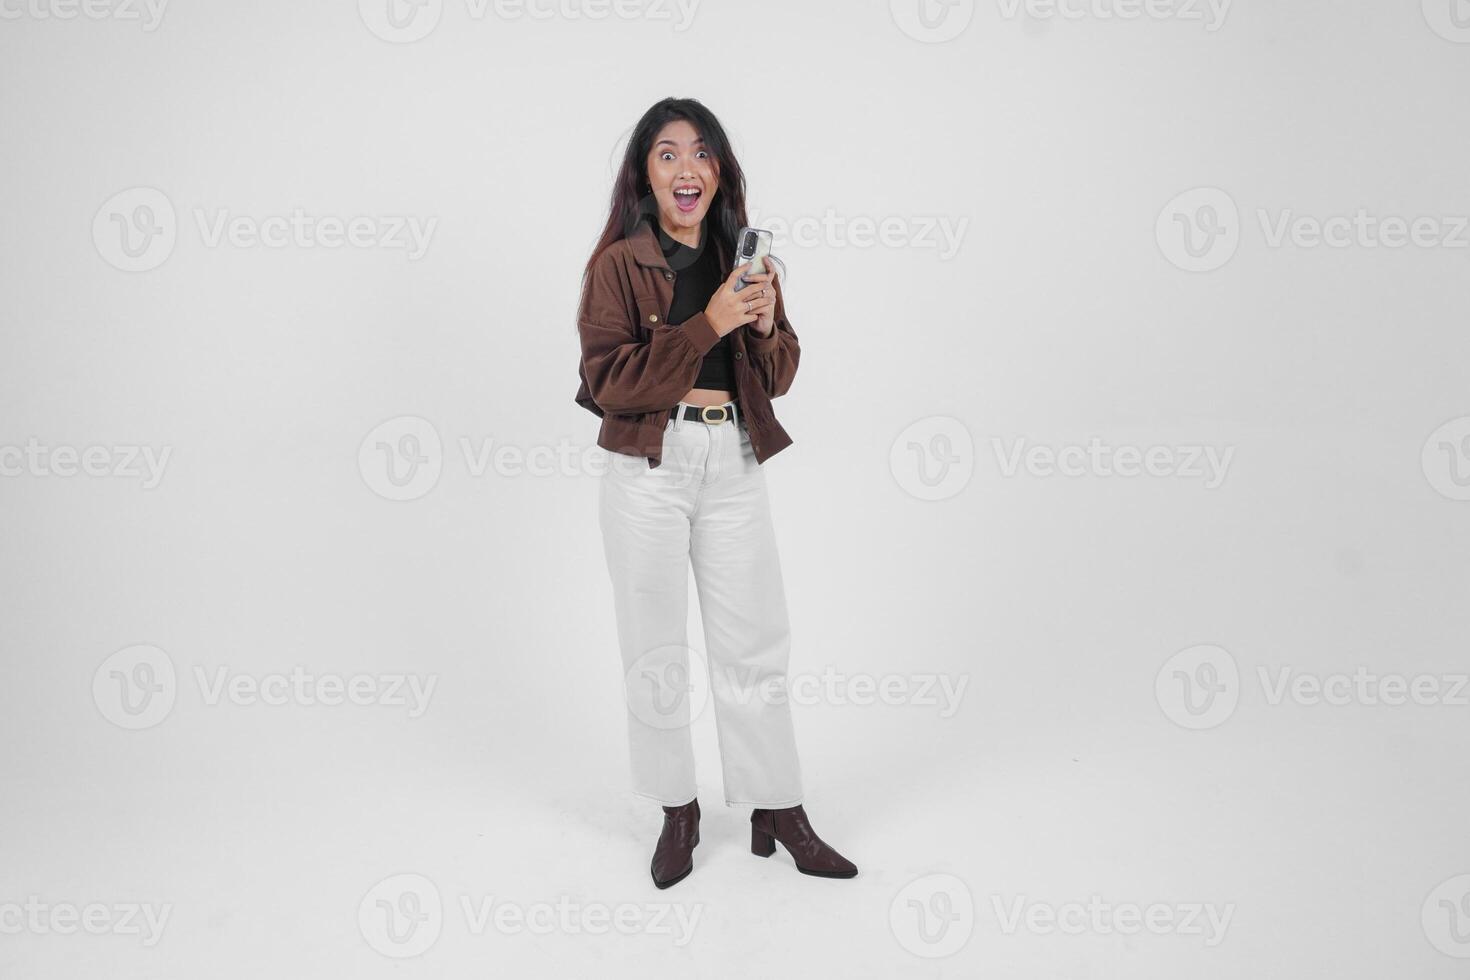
668 275
653 318
739 355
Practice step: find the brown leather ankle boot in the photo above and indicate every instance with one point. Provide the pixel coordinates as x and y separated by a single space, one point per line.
673 858
813 856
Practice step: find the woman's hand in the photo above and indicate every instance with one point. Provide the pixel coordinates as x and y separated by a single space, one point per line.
728 309
765 289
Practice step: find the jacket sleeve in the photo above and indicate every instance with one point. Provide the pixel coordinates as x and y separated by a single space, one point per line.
775 358
627 373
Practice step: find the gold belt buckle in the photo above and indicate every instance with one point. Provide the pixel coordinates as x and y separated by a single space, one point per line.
704 415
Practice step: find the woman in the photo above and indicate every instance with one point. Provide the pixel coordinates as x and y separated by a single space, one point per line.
681 368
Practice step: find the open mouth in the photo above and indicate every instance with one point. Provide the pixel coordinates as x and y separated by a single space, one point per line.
686 199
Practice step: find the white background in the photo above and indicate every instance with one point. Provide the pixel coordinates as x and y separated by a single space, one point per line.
1334 543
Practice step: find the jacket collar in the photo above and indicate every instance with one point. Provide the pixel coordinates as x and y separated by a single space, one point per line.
644 243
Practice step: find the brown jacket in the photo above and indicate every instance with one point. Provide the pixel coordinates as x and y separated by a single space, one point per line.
635 367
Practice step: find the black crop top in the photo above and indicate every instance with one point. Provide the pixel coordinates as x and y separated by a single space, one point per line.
697 276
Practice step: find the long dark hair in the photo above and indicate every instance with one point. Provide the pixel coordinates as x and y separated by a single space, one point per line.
727 210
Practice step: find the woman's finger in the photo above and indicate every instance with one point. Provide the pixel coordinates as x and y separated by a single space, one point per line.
736 273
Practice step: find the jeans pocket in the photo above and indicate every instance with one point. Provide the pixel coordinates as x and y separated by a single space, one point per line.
626 465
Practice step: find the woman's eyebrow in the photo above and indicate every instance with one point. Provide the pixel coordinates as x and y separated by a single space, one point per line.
697 142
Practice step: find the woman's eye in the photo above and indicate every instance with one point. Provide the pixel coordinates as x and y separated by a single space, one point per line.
704 153
666 155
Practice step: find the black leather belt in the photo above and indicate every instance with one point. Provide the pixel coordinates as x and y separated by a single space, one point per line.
710 414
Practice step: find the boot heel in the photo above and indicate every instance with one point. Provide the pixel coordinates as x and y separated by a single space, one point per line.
761 844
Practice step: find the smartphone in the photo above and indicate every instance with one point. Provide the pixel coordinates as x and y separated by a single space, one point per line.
751 245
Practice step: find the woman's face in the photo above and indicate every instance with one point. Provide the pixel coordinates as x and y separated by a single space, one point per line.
683 174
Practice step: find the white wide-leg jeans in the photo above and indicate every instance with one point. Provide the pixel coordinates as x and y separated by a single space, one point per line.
705 505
